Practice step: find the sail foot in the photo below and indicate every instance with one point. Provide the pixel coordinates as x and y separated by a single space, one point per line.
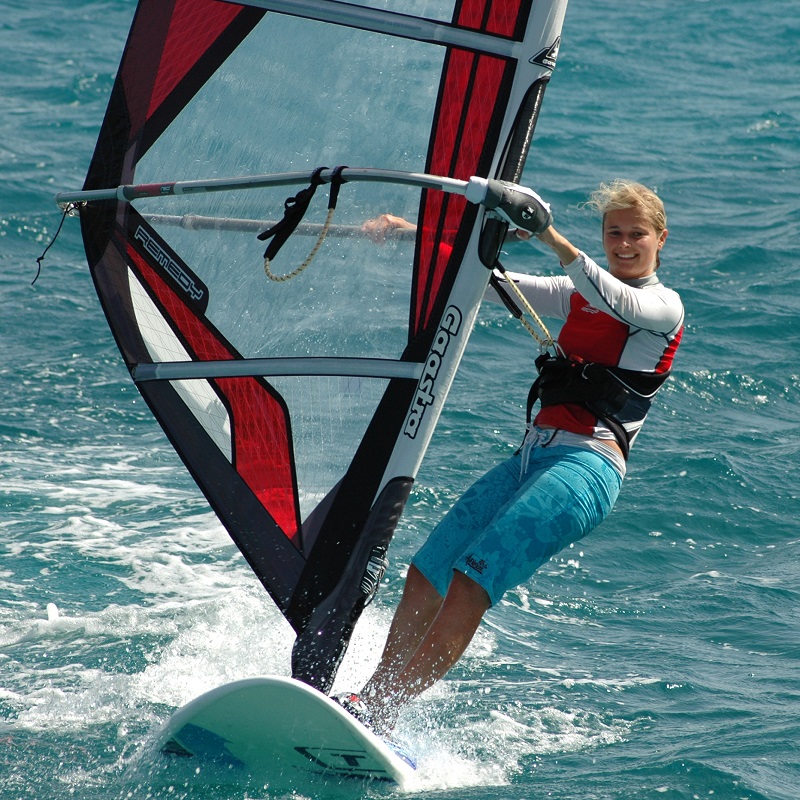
320 646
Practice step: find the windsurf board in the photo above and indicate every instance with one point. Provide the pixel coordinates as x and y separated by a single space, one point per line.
267 725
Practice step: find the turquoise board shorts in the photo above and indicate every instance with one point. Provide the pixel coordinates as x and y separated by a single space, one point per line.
505 526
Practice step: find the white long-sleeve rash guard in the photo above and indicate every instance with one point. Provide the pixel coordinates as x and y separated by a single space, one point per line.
634 325
658 310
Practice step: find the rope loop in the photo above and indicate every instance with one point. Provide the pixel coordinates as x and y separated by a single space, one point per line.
294 273
68 210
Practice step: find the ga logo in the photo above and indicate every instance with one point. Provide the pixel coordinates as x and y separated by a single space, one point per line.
547 57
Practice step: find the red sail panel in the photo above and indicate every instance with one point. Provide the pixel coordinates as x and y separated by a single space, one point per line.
466 112
140 63
195 26
259 422
167 41
499 17
261 453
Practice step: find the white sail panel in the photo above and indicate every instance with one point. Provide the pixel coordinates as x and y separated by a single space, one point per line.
163 345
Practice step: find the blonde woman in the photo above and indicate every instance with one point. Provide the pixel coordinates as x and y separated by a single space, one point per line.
620 333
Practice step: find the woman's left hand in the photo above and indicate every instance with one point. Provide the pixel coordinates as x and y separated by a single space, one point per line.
383 226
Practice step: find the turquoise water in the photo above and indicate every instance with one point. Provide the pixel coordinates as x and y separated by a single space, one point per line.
656 659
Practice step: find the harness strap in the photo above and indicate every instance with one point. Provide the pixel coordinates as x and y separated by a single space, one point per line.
601 390
294 210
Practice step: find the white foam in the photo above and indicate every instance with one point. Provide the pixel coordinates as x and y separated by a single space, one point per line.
190 603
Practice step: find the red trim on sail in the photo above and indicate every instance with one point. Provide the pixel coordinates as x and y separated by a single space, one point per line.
504 19
166 41
259 428
465 113
194 27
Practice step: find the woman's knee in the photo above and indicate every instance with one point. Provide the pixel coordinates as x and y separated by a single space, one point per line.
468 595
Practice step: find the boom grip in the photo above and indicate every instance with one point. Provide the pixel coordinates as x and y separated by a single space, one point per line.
515 204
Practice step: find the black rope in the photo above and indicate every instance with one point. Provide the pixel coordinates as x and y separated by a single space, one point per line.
52 242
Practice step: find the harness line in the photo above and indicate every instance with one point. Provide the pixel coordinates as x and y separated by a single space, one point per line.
294 273
543 335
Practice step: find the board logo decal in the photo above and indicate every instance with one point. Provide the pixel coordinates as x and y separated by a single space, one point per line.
349 761
424 396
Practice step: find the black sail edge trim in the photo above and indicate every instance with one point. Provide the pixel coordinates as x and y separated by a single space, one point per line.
321 645
276 562
343 525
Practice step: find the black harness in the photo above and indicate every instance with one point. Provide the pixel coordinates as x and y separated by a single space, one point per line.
612 394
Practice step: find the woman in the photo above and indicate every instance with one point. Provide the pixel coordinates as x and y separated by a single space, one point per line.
620 334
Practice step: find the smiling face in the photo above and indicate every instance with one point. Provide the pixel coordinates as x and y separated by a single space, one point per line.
631 243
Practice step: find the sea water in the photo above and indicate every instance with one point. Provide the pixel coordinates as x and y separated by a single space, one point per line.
657 658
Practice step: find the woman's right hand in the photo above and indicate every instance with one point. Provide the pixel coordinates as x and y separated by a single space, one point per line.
520 234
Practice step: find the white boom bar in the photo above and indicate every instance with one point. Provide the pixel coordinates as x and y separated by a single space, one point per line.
515 204
141 191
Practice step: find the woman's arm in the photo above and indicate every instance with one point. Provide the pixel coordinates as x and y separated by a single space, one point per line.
385 226
659 311
560 245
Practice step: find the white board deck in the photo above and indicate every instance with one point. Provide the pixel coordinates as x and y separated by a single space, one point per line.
269 724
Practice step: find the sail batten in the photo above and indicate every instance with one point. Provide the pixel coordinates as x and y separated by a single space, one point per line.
303 408
344 367
472 31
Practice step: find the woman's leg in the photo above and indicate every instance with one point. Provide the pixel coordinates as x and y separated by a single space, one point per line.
416 611
423 645
438 613
567 492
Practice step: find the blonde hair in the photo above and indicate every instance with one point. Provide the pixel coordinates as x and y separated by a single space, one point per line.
621 194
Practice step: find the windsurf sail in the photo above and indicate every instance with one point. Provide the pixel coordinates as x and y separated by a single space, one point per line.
303 408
